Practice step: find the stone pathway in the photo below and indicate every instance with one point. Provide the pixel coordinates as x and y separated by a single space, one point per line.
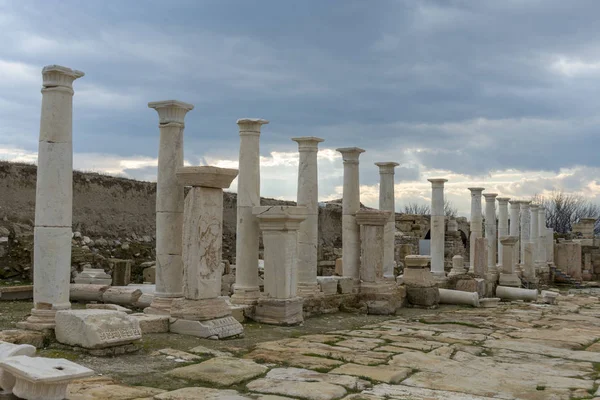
516 351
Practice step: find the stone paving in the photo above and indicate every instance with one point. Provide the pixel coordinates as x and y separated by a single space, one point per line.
515 351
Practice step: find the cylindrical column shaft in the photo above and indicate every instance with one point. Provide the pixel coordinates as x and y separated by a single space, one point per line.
308 234
525 228
514 228
437 227
490 230
246 289
476 223
387 203
169 205
542 232
502 223
54 199
350 205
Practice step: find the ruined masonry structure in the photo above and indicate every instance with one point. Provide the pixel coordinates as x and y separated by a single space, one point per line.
502 223
490 231
387 203
54 199
203 312
280 304
476 222
350 205
245 289
308 233
169 205
437 227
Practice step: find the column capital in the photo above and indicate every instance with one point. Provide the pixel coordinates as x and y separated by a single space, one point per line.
386 167
350 154
476 190
280 218
206 176
57 76
509 240
490 197
534 207
524 204
503 201
171 111
437 182
250 126
372 217
308 143
515 203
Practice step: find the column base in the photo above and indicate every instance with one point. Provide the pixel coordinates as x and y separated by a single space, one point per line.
510 280
455 272
381 298
245 295
200 310
308 290
161 305
220 328
39 320
279 311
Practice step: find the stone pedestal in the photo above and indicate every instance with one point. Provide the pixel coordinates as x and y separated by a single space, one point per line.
490 231
387 203
246 288
54 199
502 223
379 294
476 226
437 228
308 234
514 230
169 205
350 205
421 289
202 248
508 276
457 266
525 228
280 304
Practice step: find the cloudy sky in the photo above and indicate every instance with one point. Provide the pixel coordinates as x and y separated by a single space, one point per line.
502 94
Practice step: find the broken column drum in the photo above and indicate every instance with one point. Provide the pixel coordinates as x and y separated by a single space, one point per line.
525 228
246 289
421 289
169 205
387 203
280 304
437 227
54 199
502 223
508 275
476 226
308 196
490 230
204 312
350 205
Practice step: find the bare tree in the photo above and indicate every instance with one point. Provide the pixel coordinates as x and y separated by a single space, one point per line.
563 210
425 209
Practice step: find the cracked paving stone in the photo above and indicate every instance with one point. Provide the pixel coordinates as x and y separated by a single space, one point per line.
222 371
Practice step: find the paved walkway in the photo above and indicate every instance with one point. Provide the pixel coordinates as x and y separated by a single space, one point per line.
516 351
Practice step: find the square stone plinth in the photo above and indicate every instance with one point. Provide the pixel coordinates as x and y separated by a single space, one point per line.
279 311
200 310
423 296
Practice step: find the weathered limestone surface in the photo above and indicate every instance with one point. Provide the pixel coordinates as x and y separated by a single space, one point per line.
508 274
437 227
350 205
502 223
567 257
515 229
7 381
96 329
479 257
87 292
387 203
94 276
421 289
525 226
490 231
308 196
458 266
476 221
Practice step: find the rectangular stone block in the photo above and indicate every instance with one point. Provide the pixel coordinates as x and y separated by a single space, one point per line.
568 258
152 323
279 311
121 272
122 295
328 284
96 329
472 285
215 329
149 274
10 293
345 285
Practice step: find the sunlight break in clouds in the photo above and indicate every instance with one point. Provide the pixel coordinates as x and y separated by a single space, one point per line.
573 67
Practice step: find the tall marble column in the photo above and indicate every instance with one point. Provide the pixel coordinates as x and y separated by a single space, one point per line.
508 276
502 223
54 199
280 304
437 227
246 289
169 205
541 242
387 203
350 205
534 232
525 228
514 229
308 234
490 230
476 226
203 306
